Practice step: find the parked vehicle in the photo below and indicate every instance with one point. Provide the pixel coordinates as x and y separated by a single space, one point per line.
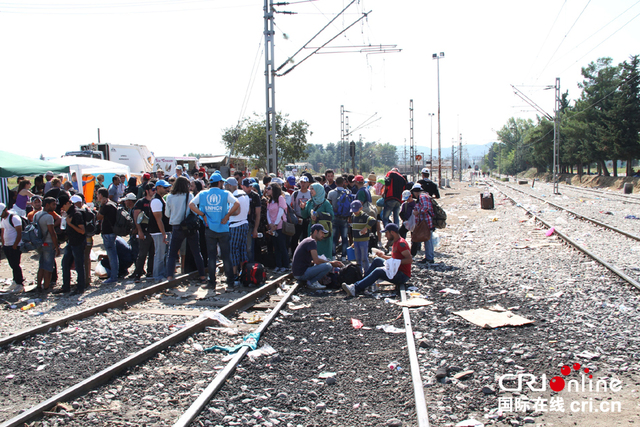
226 165
137 157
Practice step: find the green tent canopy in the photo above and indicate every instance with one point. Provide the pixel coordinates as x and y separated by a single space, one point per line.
16 165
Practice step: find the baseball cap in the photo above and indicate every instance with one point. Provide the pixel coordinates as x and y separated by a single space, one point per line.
291 180
75 199
163 183
232 182
277 180
316 227
216 177
146 175
179 167
358 178
2 207
416 187
372 177
303 179
391 227
424 170
247 182
356 205
49 173
131 196
272 175
36 197
406 194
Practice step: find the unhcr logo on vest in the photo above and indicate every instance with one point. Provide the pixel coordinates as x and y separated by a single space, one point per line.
213 199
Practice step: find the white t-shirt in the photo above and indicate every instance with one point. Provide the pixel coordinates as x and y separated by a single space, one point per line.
300 196
241 218
156 206
10 233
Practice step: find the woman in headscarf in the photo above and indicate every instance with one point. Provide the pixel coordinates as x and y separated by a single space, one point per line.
319 209
132 187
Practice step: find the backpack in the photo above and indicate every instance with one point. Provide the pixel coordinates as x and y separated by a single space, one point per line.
350 274
253 274
343 204
124 225
89 222
31 238
439 215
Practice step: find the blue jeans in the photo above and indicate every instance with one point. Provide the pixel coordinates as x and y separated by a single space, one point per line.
340 229
391 205
282 255
109 241
362 254
315 273
177 236
428 249
213 240
375 273
71 254
159 260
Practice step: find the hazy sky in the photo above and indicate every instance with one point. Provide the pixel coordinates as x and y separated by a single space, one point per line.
174 74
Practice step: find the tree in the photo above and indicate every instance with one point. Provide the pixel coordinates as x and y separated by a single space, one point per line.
624 117
249 139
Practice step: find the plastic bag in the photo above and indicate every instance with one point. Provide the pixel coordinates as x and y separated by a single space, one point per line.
435 239
100 271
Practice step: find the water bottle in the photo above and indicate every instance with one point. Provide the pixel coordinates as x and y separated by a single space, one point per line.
275 233
260 235
63 223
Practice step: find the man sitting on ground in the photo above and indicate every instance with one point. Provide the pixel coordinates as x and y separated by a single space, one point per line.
400 251
306 264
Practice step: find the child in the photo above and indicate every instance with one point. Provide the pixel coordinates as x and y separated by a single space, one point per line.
361 225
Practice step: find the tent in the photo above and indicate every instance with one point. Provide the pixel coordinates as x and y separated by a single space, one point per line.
88 168
17 165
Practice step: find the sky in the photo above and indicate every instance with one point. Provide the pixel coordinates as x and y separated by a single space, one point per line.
173 75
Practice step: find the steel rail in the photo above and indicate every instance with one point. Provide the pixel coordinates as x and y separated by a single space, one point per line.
199 404
118 302
595 221
106 374
575 244
632 199
416 377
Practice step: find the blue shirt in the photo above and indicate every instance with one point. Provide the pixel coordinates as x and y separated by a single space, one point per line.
215 202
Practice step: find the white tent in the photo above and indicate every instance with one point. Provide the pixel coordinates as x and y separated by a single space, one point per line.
90 166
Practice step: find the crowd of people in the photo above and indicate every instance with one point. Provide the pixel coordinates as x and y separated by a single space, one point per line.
308 225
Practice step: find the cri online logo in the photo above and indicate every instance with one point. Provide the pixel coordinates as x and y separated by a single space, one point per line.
557 383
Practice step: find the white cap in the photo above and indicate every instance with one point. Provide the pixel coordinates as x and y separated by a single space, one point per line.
2 207
75 199
424 170
131 196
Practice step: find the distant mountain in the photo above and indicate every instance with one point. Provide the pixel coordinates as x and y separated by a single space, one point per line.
470 150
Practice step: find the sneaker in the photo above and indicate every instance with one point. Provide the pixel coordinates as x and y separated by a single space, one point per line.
237 283
349 289
316 286
15 288
109 281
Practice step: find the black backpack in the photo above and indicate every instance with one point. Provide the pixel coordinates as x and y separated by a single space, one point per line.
89 222
124 224
350 274
439 215
253 274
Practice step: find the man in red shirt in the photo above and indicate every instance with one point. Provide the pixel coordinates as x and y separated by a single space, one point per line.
400 251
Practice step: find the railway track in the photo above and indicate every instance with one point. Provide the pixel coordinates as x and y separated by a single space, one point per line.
89 352
173 379
625 198
597 243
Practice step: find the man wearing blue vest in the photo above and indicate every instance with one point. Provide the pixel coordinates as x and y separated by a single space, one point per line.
215 206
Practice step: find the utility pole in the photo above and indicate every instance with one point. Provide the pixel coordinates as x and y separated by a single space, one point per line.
347 134
453 159
412 149
270 77
341 147
431 148
437 58
556 139
460 160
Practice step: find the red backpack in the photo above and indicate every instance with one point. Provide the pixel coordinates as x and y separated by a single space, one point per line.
253 274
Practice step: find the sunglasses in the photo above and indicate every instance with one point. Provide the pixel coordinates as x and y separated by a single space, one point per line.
268 188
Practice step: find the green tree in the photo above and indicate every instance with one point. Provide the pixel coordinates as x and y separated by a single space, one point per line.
624 117
249 139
